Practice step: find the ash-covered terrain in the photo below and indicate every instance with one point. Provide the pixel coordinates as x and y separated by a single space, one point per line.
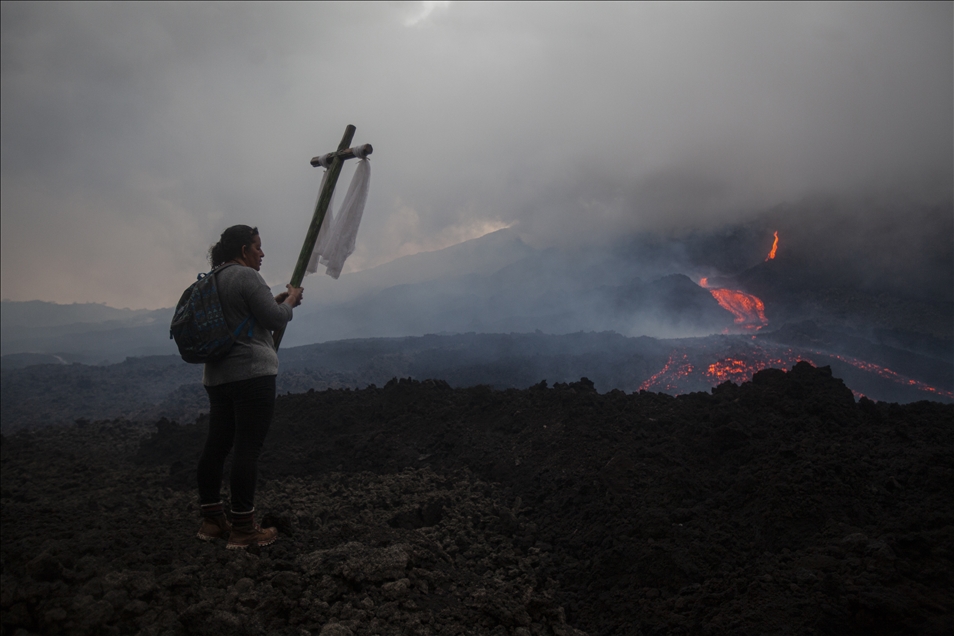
148 388
781 506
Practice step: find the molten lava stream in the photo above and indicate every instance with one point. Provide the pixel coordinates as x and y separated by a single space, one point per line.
771 254
741 370
888 374
749 310
669 378
648 384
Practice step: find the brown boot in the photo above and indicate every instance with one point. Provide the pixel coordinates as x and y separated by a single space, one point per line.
246 532
214 524
241 538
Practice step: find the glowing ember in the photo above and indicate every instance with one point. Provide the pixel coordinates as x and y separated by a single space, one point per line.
771 254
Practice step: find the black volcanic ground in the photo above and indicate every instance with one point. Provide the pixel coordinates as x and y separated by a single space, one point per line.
780 506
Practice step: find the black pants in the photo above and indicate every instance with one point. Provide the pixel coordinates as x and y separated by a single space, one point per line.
240 413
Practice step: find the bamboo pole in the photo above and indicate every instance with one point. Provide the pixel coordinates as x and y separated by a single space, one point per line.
321 208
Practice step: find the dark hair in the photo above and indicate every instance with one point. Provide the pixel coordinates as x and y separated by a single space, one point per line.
231 243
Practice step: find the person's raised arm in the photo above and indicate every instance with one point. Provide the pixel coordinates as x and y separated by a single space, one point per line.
268 313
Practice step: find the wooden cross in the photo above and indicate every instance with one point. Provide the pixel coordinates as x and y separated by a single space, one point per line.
338 158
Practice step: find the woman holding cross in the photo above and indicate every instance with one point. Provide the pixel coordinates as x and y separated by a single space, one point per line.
241 388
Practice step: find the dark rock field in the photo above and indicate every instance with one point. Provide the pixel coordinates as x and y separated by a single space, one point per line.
780 506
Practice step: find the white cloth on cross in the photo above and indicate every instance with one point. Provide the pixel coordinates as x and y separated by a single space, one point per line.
336 238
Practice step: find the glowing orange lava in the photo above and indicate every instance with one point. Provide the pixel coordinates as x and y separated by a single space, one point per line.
737 371
740 370
687 370
749 310
771 254
888 374
666 379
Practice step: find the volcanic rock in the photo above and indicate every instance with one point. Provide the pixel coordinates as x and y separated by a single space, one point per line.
776 506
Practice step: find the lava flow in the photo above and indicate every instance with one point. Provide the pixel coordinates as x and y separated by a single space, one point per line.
749 310
691 370
739 370
701 368
774 249
894 376
668 379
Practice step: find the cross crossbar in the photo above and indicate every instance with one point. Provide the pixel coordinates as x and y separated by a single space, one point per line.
347 153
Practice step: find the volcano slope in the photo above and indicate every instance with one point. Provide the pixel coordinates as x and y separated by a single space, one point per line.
779 506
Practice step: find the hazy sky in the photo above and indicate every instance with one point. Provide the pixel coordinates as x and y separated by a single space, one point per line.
132 134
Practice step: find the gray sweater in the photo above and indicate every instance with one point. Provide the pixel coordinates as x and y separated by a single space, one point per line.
243 291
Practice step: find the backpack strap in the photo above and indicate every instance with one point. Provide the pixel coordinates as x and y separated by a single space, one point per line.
214 270
250 319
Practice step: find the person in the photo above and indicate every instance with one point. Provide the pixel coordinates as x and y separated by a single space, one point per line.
241 388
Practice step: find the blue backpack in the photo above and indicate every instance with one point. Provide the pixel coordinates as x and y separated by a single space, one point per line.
199 326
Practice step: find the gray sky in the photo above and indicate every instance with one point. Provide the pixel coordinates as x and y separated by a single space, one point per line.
132 134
